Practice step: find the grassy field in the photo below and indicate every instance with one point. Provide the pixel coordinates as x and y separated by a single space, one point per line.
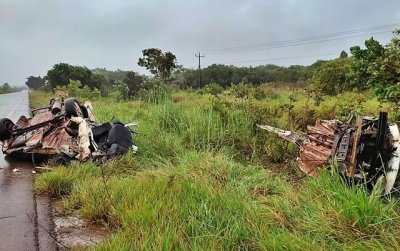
205 178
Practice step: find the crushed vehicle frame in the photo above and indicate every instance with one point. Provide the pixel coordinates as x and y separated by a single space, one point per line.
367 152
63 131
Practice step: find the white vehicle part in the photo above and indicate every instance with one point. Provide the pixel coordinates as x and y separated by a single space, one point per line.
89 107
131 124
83 136
394 162
134 149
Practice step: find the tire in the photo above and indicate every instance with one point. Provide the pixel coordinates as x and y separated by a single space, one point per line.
72 108
121 137
6 129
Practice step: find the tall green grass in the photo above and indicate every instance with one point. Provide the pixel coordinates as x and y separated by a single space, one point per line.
203 180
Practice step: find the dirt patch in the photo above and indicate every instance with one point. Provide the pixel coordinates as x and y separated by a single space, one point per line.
74 232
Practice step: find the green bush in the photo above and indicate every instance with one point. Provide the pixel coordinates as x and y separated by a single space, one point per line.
211 88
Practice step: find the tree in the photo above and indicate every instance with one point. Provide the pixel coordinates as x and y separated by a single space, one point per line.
226 75
343 54
100 82
35 82
119 90
134 81
62 73
363 63
158 63
6 87
379 67
331 77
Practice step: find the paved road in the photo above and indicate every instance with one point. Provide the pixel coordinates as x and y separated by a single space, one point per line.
19 207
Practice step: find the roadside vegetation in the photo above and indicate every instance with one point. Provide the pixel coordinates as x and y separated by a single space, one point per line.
6 88
206 178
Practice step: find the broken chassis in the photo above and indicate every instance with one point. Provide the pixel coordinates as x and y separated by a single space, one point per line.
368 152
52 133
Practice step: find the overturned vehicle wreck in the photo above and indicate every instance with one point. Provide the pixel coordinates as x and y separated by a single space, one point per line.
64 131
367 152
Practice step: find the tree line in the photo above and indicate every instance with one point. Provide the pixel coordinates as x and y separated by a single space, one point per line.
164 67
374 67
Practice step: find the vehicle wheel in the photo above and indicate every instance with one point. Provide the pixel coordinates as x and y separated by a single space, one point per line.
6 129
72 108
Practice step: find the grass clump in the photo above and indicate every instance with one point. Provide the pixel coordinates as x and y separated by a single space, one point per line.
56 183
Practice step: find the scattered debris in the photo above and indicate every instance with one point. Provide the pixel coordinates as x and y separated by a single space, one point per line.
15 170
64 131
368 151
42 168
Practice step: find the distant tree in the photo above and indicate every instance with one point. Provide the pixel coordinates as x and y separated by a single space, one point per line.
343 54
100 82
61 73
6 87
158 63
119 90
134 81
225 75
111 75
35 82
331 77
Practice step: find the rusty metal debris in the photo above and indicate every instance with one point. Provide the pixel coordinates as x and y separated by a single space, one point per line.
367 151
65 131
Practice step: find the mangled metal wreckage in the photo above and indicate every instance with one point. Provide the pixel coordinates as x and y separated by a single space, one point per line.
65 131
366 152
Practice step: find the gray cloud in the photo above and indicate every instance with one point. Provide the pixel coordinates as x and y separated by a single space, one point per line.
34 35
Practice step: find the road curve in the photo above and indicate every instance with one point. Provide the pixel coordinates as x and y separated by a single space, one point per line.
18 203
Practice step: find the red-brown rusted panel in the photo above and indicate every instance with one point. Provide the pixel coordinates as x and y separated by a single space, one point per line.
41 116
316 151
58 138
23 122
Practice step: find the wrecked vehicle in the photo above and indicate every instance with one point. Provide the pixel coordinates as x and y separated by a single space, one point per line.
64 131
366 152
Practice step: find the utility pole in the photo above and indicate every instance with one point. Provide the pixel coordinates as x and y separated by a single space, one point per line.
199 56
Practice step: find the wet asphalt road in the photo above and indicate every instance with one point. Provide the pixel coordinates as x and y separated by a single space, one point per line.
19 207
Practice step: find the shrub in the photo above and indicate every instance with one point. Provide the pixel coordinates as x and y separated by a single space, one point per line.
211 88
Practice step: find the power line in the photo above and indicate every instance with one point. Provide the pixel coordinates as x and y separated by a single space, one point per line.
324 37
290 45
295 44
284 58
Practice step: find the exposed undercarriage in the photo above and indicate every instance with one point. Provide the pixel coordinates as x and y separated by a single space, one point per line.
367 151
65 131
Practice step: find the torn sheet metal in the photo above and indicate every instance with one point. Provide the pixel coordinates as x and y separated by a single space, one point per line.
366 151
67 131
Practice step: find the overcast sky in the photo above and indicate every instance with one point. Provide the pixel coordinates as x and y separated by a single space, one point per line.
36 34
